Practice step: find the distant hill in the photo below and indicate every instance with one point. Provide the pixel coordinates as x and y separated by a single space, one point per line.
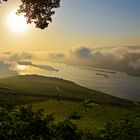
47 87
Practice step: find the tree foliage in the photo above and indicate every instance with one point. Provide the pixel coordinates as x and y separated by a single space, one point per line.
25 124
38 12
126 127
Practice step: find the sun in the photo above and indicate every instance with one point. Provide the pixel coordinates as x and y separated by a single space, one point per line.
21 67
16 23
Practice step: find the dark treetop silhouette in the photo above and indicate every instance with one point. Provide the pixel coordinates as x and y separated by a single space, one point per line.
38 11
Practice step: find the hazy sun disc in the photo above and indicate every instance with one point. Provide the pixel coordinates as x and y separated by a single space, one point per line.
16 23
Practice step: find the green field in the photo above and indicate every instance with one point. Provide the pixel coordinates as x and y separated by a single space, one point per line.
92 119
62 97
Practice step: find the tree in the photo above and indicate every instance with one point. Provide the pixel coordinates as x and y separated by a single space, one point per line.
38 12
25 124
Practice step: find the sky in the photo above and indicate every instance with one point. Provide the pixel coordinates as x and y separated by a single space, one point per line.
94 23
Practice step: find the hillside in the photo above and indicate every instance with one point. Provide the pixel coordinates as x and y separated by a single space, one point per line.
47 87
63 97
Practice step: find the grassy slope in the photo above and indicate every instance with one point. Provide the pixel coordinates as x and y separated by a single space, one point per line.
40 86
93 119
33 88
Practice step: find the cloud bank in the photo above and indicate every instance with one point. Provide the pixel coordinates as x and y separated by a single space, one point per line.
125 59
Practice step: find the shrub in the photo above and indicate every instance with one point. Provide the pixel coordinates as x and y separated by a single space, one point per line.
74 116
24 124
67 131
127 127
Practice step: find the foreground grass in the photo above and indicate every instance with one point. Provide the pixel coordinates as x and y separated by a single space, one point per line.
93 119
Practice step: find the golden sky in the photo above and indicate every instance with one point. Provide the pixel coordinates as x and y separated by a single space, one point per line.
93 23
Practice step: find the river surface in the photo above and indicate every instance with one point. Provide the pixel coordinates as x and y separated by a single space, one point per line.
116 84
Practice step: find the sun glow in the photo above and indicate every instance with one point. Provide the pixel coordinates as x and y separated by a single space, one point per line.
16 23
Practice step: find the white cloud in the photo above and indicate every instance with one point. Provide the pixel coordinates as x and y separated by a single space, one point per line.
82 52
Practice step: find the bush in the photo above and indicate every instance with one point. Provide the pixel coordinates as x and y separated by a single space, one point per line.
86 105
67 131
127 127
74 116
24 124
87 136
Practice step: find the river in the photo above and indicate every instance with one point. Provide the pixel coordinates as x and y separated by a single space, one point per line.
113 83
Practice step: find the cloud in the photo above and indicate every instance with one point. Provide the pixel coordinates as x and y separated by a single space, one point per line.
20 56
135 64
88 56
44 67
132 60
6 70
126 59
105 54
122 58
82 52
133 47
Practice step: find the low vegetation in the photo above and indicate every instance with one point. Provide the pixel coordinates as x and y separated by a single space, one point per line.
25 123
77 113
